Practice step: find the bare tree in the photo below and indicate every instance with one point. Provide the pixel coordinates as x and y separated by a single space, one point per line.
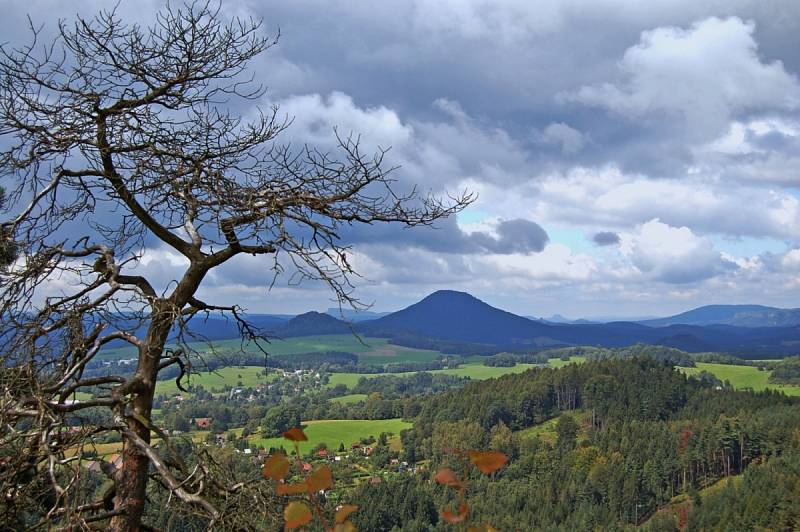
120 138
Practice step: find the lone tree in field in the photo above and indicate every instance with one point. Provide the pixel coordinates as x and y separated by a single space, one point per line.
120 138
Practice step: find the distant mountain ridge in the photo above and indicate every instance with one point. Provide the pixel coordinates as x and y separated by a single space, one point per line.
460 317
735 315
457 322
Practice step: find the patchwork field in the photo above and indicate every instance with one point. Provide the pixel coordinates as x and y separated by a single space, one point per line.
337 431
742 377
250 376
473 371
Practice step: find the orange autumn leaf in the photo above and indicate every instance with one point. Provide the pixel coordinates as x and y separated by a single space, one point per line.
291 489
344 511
295 434
320 479
452 518
347 526
276 467
296 514
447 477
488 461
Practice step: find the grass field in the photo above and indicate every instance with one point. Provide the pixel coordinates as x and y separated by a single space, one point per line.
214 381
547 429
336 431
349 399
558 363
742 377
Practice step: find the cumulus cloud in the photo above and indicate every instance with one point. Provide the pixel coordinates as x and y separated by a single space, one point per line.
759 151
568 139
608 197
433 154
314 118
673 254
706 75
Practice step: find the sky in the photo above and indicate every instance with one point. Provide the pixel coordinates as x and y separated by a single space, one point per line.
630 158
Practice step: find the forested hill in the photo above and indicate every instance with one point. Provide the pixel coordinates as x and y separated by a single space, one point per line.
459 316
313 323
601 446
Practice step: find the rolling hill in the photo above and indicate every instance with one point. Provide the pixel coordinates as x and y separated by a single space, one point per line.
311 324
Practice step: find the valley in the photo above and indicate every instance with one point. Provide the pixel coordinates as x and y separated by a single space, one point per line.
400 266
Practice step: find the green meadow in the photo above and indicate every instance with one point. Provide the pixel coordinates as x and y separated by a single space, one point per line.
215 381
546 430
350 398
742 377
334 432
558 363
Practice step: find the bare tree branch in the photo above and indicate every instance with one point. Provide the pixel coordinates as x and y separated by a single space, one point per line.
120 139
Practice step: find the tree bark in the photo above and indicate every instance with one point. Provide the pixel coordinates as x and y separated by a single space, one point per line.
132 477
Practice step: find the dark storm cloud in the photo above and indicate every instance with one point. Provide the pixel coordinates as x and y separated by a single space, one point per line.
606 238
407 54
511 236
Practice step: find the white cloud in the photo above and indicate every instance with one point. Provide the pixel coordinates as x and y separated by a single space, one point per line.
672 254
706 75
764 150
569 139
609 199
314 118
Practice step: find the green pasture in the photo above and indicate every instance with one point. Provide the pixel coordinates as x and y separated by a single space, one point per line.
349 399
742 377
333 432
558 363
215 381
547 429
